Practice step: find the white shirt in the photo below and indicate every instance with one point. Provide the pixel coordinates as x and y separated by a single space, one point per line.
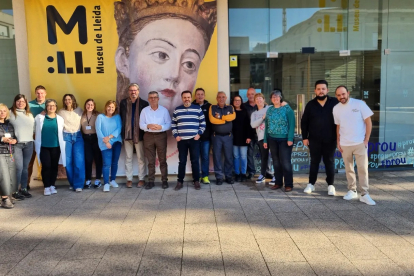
351 119
160 116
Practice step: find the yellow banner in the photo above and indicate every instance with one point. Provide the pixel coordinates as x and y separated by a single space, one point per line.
94 49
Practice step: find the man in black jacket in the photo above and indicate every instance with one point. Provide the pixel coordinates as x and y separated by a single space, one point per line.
200 96
130 109
319 134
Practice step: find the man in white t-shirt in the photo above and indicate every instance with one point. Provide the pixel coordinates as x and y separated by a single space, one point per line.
353 126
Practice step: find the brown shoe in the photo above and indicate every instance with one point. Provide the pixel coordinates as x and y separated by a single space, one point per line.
179 186
275 187
197 185
141 184
129 184
288 189
165 185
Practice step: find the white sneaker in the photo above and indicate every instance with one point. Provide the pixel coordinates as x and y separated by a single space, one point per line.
367 200
78 190
106 187
273 181
114 184
331 190
351 195
260 179
53 190
309 189
47 192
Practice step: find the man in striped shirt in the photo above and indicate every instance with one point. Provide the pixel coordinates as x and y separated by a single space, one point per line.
188 123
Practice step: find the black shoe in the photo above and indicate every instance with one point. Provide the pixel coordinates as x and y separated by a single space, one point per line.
268 175
28 187
219 182
149 186
25 193
242 177
18 196
165 185
87 185
97 184
250 175
229 180
237 178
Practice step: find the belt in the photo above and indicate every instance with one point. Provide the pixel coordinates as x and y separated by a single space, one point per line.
155 132
88 134
222 134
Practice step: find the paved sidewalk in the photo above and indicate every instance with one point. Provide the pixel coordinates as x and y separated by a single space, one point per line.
240 229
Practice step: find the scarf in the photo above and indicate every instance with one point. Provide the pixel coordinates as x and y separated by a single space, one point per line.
128 126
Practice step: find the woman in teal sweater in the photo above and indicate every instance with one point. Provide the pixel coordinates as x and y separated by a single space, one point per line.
279 134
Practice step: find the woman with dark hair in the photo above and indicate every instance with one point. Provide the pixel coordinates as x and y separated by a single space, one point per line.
91 146
49 145
242 137
108 129
75 157
8 184
23 122
278 136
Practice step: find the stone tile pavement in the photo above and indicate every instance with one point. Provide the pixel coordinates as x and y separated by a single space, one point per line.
240 229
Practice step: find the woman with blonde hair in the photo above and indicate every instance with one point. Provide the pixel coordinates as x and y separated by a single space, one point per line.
108 129
7 165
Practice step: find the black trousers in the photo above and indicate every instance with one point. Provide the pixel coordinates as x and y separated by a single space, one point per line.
319 149
92 153
49 157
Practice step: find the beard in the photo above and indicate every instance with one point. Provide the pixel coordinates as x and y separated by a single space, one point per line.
321 98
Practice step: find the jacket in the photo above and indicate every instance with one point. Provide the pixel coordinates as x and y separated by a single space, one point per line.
123 111
223 124
205 107
4 147
38 137
241 128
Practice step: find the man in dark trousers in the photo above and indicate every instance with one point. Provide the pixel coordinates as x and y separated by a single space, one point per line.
319 134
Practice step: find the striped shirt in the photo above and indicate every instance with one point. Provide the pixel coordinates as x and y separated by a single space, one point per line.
187 122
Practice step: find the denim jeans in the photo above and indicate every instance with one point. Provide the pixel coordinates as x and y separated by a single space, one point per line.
240 159
8 184
110 159
75 159
223 144
22 156
281 155
204 157
194 147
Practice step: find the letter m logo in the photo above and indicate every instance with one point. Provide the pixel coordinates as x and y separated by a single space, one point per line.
53 18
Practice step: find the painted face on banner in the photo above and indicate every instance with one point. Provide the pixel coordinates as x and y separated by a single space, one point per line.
165 56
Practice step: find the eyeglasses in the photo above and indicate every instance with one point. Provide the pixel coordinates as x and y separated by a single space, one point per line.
152 98
133 90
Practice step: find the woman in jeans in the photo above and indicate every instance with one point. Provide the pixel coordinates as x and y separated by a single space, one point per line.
108 129
23 122
8 184
241 133
91 148
278 136
49 145
75 157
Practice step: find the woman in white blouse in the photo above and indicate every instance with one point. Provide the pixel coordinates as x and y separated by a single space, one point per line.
75 157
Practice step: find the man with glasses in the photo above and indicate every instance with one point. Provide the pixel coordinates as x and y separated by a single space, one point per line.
130 110
155 120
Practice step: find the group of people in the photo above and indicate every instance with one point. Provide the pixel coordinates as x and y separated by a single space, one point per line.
78 138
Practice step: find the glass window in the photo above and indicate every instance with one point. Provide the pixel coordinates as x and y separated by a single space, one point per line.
9 83
291 44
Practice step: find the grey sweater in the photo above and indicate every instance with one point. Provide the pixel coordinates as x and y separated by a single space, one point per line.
257 122
23 125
